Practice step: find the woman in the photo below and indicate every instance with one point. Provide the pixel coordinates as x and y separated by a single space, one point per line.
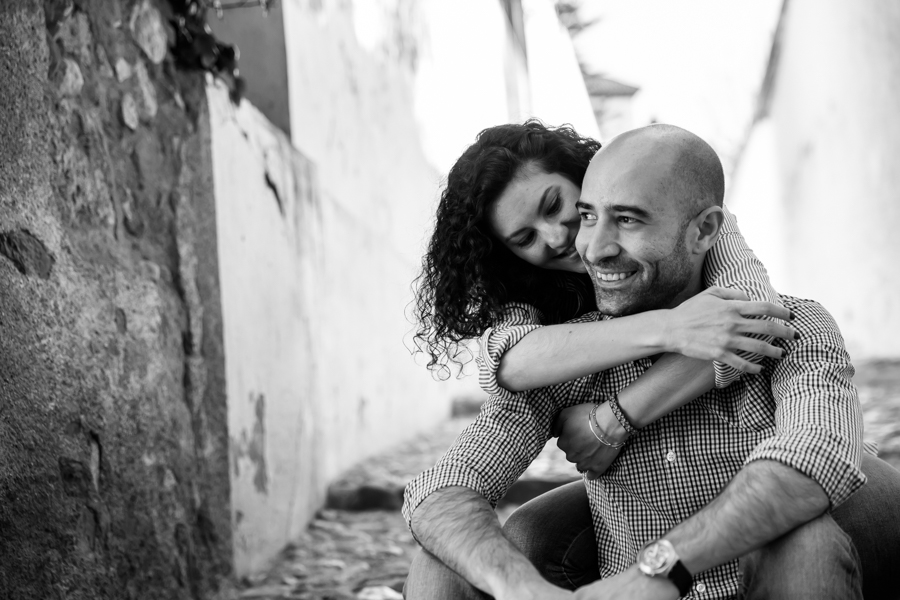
501 266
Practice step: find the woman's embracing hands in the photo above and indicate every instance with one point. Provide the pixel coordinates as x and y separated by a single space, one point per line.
716 323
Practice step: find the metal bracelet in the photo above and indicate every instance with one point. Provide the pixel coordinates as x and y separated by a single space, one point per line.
592 423
620 416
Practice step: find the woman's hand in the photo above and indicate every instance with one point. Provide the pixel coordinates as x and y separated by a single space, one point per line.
580 445
716 323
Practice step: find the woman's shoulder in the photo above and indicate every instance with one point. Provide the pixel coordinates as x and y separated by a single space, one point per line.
519 313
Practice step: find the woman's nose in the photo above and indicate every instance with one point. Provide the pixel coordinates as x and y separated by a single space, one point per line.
557 237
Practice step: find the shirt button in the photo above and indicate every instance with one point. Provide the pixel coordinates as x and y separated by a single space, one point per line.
670 456
700 587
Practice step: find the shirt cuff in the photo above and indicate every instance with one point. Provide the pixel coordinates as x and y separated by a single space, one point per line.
440 476
820 455
493 344
725 374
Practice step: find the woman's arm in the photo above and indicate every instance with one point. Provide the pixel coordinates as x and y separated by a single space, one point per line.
731 264
709 326
671 382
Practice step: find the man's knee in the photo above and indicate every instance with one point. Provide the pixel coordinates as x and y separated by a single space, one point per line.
430 579
815 560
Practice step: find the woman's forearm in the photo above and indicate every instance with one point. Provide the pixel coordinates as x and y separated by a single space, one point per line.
713 325
672 381
558 353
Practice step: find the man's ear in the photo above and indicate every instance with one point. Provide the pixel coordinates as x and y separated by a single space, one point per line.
706 228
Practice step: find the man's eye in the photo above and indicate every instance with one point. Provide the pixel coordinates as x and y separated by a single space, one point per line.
626 220
588 216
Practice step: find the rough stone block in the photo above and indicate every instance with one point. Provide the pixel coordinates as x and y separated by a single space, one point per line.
149 32
27 253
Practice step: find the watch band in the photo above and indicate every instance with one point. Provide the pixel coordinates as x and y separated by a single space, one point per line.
682 578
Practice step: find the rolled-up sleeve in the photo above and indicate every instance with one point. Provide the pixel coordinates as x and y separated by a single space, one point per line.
517 322
491 453
818 418
731 263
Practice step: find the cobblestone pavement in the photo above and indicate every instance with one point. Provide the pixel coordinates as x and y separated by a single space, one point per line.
351 554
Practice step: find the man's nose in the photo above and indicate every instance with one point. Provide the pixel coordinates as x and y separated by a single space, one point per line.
601 244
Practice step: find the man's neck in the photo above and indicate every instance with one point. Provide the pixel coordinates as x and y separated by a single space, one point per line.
690 290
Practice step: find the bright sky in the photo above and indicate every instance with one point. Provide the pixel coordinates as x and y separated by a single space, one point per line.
699 63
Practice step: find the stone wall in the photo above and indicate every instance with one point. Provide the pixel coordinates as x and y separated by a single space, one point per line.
113 447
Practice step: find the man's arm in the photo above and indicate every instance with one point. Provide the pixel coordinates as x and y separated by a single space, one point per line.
460 528
449 507
765 500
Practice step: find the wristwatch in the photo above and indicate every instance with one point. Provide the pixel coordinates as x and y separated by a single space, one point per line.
659 559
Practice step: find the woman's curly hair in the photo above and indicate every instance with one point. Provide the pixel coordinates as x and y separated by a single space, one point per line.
467 275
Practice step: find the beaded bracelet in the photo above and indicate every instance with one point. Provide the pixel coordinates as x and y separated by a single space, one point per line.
592 422
620 416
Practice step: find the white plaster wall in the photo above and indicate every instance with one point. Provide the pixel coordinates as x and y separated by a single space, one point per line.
755 197
316 278
834 111
313 298
558 92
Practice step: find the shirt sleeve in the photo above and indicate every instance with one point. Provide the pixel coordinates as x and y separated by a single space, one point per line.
732 264
508 434
818 418
518 320
491 453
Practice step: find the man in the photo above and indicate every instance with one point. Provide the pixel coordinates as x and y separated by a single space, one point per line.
783 450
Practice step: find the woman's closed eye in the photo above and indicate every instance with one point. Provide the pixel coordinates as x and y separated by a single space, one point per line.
554 207
525 240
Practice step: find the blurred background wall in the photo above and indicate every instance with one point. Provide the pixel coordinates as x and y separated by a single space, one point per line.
817 187
321 231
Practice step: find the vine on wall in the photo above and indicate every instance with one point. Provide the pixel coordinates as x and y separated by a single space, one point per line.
197 48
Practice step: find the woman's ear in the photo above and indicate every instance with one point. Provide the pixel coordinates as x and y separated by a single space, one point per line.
707 227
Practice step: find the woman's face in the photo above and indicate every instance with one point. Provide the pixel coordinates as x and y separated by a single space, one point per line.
535 217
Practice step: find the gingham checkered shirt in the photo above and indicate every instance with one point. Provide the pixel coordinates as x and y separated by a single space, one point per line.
801 410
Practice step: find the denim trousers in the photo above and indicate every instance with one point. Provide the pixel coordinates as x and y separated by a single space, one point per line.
852 552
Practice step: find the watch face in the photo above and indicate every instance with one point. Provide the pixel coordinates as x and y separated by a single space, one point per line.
657 558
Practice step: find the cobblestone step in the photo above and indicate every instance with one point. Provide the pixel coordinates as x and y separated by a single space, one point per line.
378 483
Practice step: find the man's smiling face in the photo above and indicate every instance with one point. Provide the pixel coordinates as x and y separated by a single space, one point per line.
633 237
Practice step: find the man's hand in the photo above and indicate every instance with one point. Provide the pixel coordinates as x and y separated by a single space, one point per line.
630 584
580 445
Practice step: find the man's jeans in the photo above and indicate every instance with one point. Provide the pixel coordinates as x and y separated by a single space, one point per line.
821 559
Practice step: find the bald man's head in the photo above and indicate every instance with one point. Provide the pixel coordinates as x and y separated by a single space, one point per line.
687 170
651 209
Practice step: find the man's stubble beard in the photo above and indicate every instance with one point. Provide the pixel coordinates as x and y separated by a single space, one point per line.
672 275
